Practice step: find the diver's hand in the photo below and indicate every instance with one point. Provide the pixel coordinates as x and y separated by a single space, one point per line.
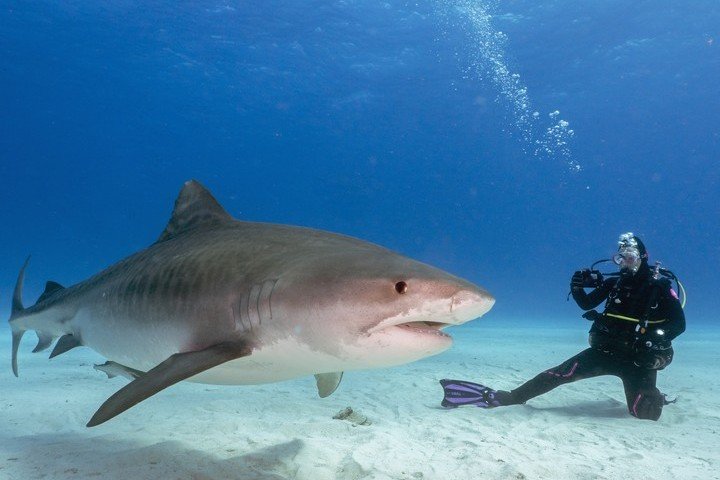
577 281
592 315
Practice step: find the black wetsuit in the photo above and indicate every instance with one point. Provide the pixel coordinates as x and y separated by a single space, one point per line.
616 348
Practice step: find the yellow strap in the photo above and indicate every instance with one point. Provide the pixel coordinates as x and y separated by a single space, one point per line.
630 319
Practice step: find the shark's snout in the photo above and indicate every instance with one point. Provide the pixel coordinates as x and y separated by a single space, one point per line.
468 304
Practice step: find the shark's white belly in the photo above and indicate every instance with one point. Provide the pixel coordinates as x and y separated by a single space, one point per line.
272 361
141 346
282 360
289 358
144 348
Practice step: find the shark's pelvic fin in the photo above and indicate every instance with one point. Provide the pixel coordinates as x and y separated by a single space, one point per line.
327 383
114 369
195 208
66 343
176 368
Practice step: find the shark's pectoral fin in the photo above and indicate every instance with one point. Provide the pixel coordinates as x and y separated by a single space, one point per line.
113 369
176 368
327 383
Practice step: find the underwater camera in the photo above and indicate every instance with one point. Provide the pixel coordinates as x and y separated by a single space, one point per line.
591 278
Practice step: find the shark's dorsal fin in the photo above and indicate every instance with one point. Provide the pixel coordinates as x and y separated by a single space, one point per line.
195 208
50 288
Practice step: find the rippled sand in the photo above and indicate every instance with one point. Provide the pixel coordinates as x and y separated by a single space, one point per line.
191 431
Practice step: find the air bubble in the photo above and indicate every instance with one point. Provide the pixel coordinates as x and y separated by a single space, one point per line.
489 63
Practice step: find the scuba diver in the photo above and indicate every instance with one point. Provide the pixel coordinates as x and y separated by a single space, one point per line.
630 339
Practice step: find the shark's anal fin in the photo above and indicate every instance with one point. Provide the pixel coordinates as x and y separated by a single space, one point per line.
327 383
176 368
114 369
66 342
44 341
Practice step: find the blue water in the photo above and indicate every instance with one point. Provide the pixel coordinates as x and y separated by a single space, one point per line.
507 142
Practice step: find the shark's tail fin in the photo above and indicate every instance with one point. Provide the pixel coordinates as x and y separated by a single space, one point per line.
45 337
17 309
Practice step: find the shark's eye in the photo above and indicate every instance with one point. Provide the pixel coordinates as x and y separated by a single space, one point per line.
401 287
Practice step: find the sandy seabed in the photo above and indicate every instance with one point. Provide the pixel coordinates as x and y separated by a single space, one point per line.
283 430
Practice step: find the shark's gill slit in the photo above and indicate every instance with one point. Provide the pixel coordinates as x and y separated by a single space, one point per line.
244 318
264 300
236 321
253 311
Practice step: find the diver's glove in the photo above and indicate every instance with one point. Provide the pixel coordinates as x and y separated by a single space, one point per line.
577 281
592 315
585 279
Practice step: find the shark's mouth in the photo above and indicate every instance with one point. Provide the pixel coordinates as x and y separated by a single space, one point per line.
417 324
434 328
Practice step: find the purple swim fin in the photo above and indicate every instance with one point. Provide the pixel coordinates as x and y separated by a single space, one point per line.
460 392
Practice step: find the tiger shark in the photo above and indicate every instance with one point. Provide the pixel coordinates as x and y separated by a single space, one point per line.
221 301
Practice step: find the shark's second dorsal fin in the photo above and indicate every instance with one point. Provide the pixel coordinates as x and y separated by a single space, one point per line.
195 208
50 288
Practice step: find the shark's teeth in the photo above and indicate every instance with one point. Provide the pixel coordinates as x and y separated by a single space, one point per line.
425 327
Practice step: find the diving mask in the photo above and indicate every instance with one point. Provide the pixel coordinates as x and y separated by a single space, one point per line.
628 259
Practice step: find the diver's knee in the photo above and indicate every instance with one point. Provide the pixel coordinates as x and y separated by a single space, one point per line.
647 406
